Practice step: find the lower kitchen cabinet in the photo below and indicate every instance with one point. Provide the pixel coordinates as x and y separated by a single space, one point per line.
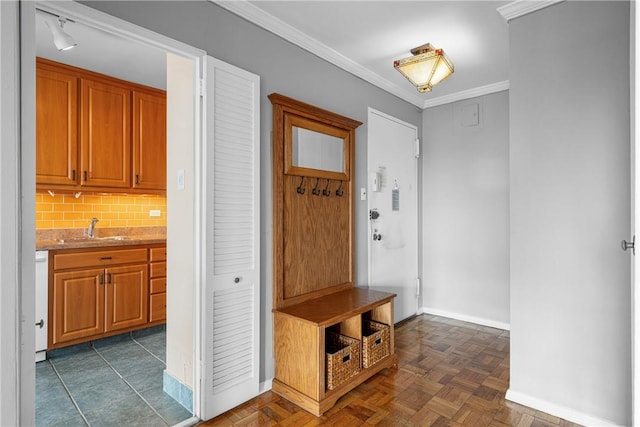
96 293
126 304
78 306
157 285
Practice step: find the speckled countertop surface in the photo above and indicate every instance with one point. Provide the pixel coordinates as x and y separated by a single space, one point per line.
56 239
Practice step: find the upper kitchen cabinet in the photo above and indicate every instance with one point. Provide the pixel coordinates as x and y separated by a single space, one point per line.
97 133
105 135
56 126
149 127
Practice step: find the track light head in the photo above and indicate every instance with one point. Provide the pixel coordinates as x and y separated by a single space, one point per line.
62 40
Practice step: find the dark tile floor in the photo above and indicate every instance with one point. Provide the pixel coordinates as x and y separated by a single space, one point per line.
110 382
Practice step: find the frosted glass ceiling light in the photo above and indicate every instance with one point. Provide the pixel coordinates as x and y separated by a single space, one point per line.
62 40
427 67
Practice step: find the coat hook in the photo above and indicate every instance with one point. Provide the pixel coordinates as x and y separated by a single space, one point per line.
340 191
300 189
326 191
315 190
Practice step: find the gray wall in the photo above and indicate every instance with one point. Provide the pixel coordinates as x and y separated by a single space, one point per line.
283 68
465 188
569 166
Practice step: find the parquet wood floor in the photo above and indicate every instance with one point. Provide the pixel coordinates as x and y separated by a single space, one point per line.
449 373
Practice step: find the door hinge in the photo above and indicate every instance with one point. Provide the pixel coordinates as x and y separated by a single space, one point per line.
418 287
203 87
417 148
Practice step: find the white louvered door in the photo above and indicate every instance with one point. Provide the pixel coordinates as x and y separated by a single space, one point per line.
231 334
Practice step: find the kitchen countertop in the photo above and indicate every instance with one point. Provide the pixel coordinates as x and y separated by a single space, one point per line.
57 239
43 245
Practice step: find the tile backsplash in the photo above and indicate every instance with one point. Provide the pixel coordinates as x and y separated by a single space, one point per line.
113 210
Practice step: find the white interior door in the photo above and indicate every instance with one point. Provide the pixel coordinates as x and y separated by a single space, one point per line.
393 207
232 193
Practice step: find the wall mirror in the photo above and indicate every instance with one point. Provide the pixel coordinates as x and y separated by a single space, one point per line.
315 149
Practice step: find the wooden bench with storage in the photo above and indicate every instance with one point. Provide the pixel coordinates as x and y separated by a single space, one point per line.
300 333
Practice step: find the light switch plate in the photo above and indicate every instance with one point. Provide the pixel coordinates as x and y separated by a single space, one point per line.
363 193
180 179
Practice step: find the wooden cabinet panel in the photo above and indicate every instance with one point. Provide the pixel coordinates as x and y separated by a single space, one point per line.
126 291
96 258
56 126
78 306
158 308
158 285
149 141
158 254
158 269
105 135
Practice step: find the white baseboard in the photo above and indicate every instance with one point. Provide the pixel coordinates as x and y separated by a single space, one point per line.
465 318
265 386
557 410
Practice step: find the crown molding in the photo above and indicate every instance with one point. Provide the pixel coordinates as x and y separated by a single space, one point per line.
466 94
259 17
520 8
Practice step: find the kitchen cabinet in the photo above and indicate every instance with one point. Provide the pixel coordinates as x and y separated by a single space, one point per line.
95 132
56 125
105 123
96 293
157 285
149 127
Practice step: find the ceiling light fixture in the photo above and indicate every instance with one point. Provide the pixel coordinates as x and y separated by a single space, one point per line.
427 67
62 40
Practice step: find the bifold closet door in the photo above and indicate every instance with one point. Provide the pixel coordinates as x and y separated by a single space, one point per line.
232 297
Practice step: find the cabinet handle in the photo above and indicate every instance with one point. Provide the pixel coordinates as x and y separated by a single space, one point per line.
40 323
137 179
108 277
73 175
105 258
101 278
236 280
86 176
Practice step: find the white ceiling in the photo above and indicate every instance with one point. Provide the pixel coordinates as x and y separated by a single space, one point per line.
366 36
363 37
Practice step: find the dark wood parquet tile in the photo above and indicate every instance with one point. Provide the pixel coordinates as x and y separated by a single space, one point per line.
450 373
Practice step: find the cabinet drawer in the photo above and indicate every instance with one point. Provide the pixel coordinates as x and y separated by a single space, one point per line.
158 269
158 285
158 254
158 307
98 258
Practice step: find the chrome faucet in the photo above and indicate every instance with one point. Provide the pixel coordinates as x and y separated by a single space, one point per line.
92 227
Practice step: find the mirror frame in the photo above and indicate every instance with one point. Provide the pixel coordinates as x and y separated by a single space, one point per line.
291 120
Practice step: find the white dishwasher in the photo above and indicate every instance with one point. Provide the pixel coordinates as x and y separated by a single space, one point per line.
42 303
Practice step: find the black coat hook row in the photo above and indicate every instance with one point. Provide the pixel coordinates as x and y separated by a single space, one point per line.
317 192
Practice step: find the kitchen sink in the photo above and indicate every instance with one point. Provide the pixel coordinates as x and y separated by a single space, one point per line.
91 239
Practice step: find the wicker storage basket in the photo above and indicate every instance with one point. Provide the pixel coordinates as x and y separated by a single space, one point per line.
343 358
375 342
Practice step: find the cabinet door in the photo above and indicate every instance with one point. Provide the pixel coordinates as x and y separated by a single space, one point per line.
105 135
77 304
127 296
56 127
149 141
